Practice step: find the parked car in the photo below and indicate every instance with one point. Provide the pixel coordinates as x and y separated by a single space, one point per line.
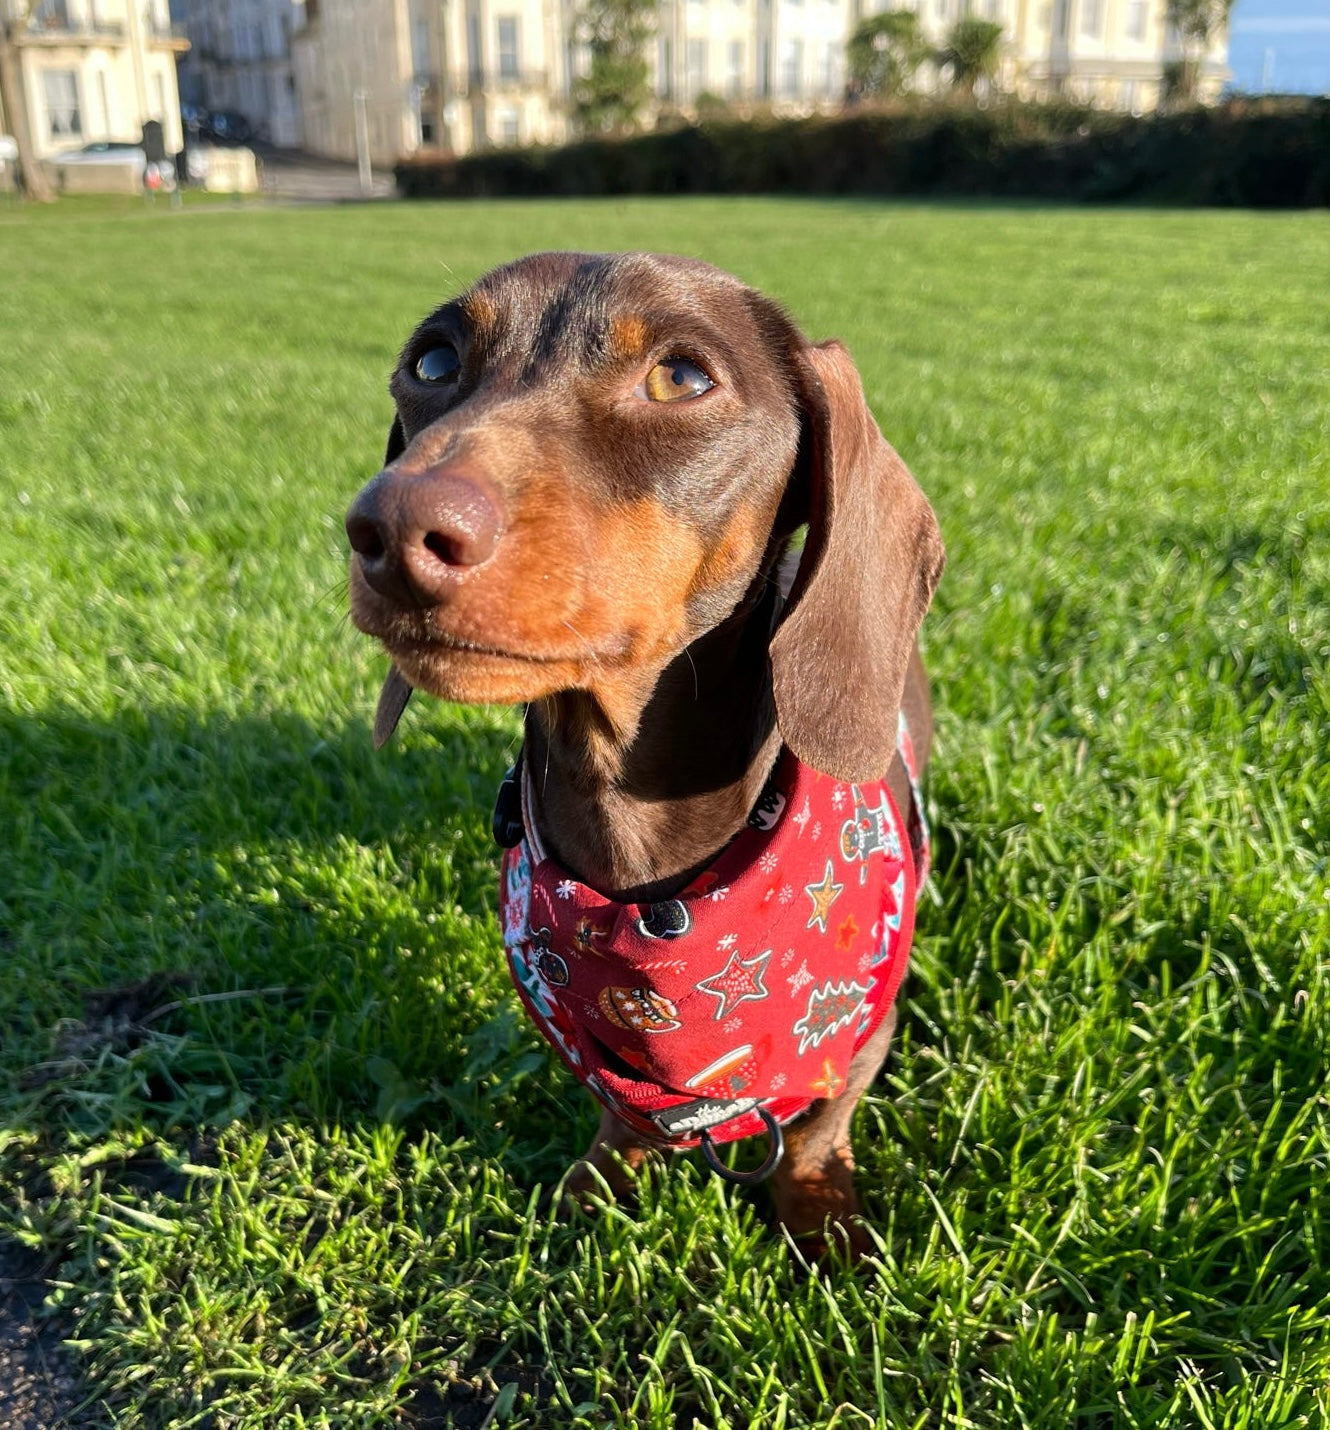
196 119
121 152
228 127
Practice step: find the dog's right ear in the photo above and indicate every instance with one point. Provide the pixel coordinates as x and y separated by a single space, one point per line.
396 442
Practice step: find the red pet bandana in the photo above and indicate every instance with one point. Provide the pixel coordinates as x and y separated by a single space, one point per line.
752 990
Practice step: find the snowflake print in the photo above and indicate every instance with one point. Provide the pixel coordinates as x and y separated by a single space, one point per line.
567 888
767 863
787 958
838 796
778 1082
728 941
801 978
718 893
802 818
865 962
786 893
732 1025
817 830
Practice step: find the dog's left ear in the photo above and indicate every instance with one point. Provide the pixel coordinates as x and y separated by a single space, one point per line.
865 580
396 442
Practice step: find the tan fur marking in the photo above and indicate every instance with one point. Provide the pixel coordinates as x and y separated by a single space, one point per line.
628 336
479 307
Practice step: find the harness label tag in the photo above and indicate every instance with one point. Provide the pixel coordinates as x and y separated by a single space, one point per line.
699 1115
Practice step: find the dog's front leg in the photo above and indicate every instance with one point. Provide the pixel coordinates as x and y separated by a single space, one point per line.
613 1159
814 1185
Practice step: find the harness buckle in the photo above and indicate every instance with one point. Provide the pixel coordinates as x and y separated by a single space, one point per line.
758 1174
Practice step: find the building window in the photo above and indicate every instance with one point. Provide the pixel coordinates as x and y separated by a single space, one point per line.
1092 16
734 68
62 104
666 65
104 96
508 56
159 94
1137 13
510 126
697 67
51 15
420 55
792 68
475 63
831 71
1061 18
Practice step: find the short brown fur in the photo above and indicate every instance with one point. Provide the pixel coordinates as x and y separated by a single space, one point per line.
542 533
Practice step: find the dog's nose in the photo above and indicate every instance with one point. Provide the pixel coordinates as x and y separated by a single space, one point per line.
416 532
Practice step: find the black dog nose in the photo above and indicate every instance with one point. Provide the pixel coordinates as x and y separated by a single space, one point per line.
416 532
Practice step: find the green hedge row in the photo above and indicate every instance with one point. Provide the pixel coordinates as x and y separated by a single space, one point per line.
1245 153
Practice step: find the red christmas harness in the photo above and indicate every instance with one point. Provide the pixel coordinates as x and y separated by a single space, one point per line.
733 1007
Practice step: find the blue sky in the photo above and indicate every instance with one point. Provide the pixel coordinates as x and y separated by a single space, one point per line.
1298 33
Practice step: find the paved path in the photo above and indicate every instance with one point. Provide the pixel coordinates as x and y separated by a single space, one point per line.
38 1387
295 177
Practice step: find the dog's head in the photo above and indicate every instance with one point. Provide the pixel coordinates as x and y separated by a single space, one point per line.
596 459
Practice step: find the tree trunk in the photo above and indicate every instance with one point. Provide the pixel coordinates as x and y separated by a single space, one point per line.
35 183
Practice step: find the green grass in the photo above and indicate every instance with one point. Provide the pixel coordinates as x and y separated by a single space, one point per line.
1097 1160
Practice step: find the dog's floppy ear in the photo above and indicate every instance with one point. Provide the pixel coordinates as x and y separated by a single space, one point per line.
867 574
396 442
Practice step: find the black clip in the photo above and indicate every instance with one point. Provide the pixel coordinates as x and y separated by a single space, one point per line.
758 1174
507 827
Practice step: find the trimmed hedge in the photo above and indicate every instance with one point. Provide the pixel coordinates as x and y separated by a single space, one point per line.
1251 153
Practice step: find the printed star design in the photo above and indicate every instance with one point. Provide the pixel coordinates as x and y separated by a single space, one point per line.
823 896
829 1083
845 934
738 982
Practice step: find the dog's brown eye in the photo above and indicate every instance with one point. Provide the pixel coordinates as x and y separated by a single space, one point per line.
440 364
675 380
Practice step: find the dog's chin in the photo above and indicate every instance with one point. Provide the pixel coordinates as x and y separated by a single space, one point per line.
472 676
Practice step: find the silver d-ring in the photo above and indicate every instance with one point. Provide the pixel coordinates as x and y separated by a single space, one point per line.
758 1174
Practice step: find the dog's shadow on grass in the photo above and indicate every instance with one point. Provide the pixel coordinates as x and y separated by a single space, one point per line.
216 916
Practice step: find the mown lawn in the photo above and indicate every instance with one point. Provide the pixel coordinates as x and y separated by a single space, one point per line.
288 1170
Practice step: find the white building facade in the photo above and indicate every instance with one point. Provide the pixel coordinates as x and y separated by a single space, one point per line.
400 76
1110 53
92 70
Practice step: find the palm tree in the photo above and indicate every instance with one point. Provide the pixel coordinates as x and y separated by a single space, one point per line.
1198 23
971 53
884 51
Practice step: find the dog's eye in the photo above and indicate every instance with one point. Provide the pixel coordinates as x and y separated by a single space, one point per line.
675 380
440 364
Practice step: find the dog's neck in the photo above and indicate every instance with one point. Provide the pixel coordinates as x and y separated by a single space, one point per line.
635 790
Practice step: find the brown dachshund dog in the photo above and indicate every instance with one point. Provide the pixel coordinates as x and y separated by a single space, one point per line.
597 468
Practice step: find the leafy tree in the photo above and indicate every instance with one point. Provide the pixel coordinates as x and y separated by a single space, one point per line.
1198 23
971 53
14 17
614 90
884 52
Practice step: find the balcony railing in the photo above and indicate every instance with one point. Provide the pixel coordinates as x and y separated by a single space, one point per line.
56 26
